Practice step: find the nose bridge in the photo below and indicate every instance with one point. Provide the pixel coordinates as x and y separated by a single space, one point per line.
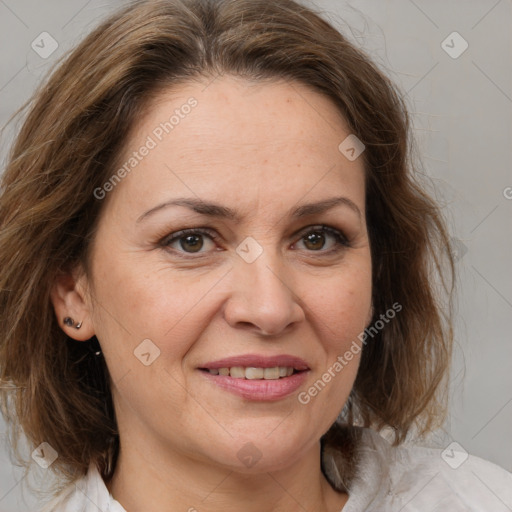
262 294
265 279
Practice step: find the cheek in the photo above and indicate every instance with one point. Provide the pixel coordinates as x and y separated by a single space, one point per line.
342 306
341 315
134 303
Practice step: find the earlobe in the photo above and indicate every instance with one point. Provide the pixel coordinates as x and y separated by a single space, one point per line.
71 323
71 305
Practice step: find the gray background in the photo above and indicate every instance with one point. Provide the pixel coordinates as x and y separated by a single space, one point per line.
461 109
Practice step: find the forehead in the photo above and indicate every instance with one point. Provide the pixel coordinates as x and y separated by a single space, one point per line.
232 140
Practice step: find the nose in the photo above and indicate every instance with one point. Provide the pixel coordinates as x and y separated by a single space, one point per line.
262 298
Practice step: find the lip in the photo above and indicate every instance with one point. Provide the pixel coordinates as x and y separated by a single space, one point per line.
258 389
258 361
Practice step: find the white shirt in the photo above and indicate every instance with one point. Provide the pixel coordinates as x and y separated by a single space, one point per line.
388 479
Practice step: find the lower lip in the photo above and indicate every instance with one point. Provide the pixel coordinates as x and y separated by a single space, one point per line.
259 389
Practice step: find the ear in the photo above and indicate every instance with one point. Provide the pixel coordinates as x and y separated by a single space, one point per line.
70 298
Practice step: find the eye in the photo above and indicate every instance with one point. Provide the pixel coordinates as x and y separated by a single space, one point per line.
190 241
317 237
200 241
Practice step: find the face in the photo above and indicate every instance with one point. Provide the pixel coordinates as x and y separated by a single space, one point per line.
238 233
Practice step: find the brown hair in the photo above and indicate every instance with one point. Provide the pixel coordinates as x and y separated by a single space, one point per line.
75 129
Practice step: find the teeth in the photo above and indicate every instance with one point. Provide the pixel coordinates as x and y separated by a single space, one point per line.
251 373
254 373
271 373
238 372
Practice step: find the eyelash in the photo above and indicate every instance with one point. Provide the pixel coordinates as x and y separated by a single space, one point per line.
341 240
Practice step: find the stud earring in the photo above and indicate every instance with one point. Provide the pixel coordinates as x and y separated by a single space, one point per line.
70 323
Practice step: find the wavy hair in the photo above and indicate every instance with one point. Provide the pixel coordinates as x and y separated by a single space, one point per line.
75 127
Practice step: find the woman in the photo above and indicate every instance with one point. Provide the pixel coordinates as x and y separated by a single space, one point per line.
219 274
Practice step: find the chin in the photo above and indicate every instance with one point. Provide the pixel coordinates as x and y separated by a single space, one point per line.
262 450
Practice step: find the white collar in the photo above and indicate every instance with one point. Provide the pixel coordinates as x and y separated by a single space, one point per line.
387 479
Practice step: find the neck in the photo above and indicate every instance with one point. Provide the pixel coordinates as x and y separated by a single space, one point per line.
147 477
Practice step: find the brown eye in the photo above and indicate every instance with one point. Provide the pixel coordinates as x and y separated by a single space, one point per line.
314 241
192 242
324 239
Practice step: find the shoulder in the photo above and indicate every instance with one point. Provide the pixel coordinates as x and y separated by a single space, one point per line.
88 494
414 478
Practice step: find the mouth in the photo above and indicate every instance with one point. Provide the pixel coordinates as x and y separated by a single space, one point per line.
257 378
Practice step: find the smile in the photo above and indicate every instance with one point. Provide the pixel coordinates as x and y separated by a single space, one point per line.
256 377
252 373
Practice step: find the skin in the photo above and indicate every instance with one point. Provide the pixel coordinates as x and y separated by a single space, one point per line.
261 149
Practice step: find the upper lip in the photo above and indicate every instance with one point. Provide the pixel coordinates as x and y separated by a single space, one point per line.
258 361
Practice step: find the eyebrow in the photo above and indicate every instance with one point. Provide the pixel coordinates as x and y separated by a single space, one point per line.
223 212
